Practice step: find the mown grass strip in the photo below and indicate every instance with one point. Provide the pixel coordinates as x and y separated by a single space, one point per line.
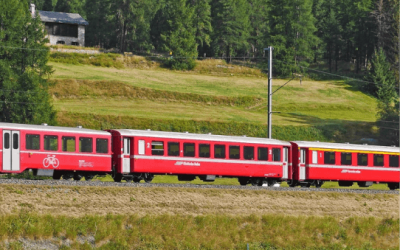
206 232
71 88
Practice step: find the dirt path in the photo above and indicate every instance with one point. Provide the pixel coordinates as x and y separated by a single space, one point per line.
77 201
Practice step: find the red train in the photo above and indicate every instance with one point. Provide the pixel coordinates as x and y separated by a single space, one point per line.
135 155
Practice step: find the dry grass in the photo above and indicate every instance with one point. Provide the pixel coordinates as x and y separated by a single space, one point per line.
171 218
81 201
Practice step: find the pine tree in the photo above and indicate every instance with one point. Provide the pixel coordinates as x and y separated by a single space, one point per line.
383 80
177 34
131 19
71 6
292 34
231 26
23 70
202 21
259 26
48 5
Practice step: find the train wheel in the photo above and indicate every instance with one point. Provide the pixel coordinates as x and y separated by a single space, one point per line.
305 185
77 177
89 177
256 182
318 184
57 175
271 183
243 181
148 177
67 176
292 183
117 177
393 186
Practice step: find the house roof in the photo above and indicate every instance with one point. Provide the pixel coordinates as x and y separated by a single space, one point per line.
61 17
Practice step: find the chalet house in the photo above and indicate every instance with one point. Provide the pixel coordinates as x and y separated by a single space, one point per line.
63 28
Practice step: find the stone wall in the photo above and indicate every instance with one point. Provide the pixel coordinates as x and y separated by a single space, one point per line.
69 40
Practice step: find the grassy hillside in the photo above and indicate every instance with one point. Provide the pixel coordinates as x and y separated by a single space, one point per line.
213 93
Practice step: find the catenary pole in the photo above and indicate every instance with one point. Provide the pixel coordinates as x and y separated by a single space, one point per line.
269 49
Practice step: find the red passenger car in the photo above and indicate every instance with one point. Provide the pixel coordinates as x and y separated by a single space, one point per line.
141 154
54 151
316 162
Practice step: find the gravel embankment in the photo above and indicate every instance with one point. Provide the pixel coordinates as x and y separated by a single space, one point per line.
205 186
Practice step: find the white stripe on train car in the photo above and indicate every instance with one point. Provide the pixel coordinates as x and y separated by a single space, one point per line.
353 167
193 159
58 153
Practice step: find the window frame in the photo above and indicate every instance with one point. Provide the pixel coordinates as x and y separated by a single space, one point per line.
26 141
97 148
244 152
346 154
153 150
175 143
359 155
44 142
390 161
231 147
80 146
201 145
223 151
273 154
189 144
331 162
258 153
375 160
62 143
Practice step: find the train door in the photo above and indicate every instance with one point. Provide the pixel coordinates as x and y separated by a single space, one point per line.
302 164
126 156
11 150
285 163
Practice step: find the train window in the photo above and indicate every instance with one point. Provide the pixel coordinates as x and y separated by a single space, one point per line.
302 156
15 141
204 150
33 142
263 154
6 140
173 148
68 144
329 158
248 153
188 149
378 160
362 159
394 161
276 154
219 151
102 146
85 145
51 142
157 148
141 147
345 158
314 157
234 152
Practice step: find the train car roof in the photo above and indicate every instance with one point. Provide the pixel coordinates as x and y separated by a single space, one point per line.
204 137
16 126
347 146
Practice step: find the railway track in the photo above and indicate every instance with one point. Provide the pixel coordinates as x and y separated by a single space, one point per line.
204 186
